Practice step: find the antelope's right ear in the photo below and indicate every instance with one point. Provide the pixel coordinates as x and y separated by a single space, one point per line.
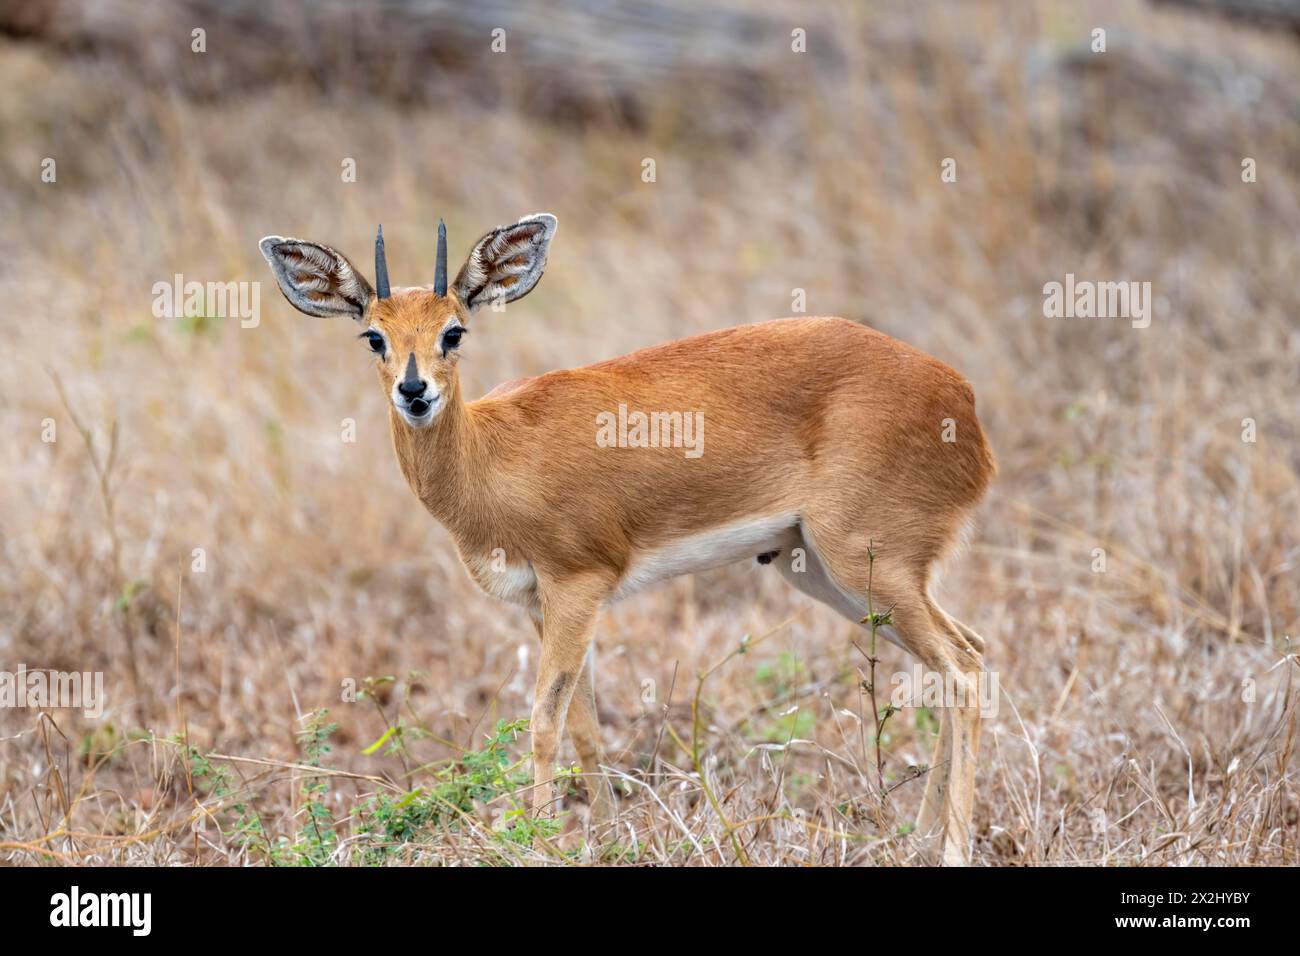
317 279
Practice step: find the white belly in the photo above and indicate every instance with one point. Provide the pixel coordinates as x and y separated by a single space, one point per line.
707 549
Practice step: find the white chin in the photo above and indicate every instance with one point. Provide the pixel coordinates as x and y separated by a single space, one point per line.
421 421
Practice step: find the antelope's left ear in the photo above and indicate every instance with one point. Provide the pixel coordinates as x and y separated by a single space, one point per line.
507 262
317 279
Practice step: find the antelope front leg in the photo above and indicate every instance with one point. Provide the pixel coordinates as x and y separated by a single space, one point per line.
584 731
569 610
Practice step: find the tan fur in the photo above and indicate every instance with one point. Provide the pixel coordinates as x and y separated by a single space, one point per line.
819 418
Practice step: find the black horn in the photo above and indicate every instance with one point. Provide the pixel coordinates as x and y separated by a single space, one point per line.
381 266
440 272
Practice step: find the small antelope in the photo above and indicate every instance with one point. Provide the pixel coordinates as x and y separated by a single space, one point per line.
824 437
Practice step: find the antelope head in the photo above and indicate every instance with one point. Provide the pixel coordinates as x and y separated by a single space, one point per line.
415 332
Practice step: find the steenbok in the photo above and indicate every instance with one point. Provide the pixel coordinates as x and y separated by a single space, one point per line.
824 438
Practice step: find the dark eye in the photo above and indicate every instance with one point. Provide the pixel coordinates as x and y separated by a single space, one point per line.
375 339
451 338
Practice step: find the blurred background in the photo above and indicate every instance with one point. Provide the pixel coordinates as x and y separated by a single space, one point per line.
1134 570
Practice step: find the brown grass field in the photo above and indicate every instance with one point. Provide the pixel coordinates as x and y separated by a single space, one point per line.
1147 712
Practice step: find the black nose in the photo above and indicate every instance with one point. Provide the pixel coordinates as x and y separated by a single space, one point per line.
410 389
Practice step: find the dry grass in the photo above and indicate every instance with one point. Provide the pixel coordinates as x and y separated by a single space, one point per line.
1123 735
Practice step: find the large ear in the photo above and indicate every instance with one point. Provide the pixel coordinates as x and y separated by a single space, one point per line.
507 262
316 279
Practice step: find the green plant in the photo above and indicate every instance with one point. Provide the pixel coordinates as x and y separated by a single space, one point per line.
317 839
478 776
790 725
876 620
246 831
781 673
